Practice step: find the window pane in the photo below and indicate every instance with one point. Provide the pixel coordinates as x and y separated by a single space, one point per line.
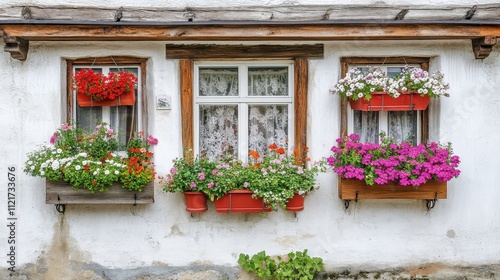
268 81
88 117
218 81
366 126
218 131
267 124
393 71
121 120
403 126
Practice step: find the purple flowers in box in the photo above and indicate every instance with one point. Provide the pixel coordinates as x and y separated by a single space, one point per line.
404 164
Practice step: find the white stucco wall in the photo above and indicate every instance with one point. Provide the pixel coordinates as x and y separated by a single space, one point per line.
462 230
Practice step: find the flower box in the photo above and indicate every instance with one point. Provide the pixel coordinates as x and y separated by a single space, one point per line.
240 201
196 202
60 192
296 203
352 189
381 101
125 99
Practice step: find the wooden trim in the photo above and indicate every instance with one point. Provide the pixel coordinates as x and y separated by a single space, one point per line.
187 99
482 47
63 193
351 189
69 91
345 61
243 52
144 101
249 31
301 72
109 60
17 47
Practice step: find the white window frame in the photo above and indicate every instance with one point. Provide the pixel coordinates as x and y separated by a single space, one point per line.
383 117
243 100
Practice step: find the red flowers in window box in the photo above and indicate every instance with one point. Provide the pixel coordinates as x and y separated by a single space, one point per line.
96 89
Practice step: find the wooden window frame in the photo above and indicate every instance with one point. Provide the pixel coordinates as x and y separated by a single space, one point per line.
345 61
108 61
301 72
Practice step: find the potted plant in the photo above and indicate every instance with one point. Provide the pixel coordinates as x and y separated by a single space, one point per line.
96 89
392 170
372 90
91 161
193 177
279 178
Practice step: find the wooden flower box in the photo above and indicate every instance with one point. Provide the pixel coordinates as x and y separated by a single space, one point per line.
352 189
381 101
60 192
240 201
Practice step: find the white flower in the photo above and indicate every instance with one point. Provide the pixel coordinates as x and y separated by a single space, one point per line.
59 151
82 154
42 173
106 172
95 172
78 167
360 95
30 162
55 165
32 168
44 165
116 172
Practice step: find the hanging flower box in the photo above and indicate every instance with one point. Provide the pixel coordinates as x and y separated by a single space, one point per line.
372 90
353 189
240 201
96 89
60 192
126 99
196 202
381 101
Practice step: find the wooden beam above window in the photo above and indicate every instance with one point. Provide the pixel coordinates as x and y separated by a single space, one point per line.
243 52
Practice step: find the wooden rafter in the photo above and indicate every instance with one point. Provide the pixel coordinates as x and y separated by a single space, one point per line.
482 47
17 47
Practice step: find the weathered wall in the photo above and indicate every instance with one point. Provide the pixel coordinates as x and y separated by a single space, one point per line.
94 242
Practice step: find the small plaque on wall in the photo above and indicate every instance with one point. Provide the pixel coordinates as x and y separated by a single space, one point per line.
163 103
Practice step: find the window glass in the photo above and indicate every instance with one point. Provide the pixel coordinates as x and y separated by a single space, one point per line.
218 81
267 81
366 125
403 125
218 130
267 124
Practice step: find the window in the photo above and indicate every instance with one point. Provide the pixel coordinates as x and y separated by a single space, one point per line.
242 106
402 125
123 119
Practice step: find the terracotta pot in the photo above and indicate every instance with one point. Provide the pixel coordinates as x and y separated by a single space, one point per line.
240 201
126 99
296 203
196 202
381 101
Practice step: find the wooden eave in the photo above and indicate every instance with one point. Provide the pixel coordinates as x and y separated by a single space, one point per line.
18 33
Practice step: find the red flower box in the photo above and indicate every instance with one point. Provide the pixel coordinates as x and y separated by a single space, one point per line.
196 202
296 203
381 101
126 99
240 201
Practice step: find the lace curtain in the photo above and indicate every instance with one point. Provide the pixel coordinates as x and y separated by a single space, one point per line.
402 125
219 124
366 126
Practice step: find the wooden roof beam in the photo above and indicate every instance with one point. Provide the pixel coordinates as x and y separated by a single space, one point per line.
399 30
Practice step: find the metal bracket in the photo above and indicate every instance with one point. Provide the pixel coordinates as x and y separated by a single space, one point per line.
61 208
432 202
135 199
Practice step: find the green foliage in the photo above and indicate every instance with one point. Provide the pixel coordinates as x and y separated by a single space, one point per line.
297 266
90 160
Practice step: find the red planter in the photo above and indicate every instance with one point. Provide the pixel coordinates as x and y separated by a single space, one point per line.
240 201
196 202
381 101
296 203
124 99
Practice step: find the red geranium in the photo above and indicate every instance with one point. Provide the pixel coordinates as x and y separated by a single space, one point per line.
101 87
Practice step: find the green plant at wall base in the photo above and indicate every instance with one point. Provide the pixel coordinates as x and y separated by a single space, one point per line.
296 266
